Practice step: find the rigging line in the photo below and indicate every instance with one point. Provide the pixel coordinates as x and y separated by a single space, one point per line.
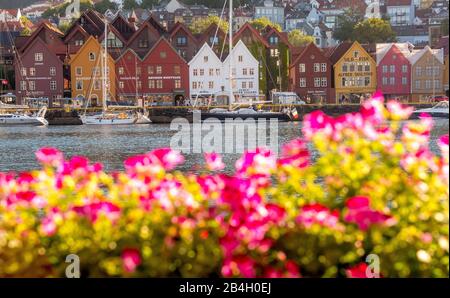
218 25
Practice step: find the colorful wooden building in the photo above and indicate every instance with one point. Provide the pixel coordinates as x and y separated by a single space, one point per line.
86 71
183 41
129 76
355 75
311 76
394 70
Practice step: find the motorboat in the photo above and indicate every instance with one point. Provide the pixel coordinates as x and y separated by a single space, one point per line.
243 113
10 119
440 110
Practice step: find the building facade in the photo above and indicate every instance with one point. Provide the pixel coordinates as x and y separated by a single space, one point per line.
270 10
311 76
354 75
427 66
129 76
394 70
400 12
86 71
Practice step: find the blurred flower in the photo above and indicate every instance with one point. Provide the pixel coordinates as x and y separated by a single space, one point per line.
131 259
214 162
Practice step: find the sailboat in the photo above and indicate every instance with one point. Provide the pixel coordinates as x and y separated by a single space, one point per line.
10 119
107 118
234 109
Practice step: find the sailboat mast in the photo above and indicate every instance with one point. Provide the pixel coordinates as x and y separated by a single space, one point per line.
105 55
230 48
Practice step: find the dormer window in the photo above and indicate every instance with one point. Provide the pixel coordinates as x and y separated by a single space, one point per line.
355 54
143 43
273 40
181 40
205 59
214 40
91 56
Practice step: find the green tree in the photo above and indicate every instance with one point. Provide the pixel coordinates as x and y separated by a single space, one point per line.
298 39
261 23
149 3
130 4
25 32
104 5
346 23
200 25
444 27
374 30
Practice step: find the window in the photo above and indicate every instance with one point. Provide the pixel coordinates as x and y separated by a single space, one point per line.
79 85
23 85
385 80
367 66
177 84
302 82
176 69
427 84
273 40
214 40
385 68
404 81
217 71
181 40
250 85
211 85
316 82
121 84
366 81
316 67
437 84
96 71
273 52
344 67
202 72
429 70
52 71
323 82
31 85
78 71
121 70
138 70
244 71
323 67
251 71
436 70
417 84
194 85
52 85
143 43
195 72
352 67
302 67
240 58
159 84
150 70
151 84
211 72
24 71
355 54
38 57
244 85
418 71
139 85
97 84
205 59
91 56
404 68
392 68
392 80
162 55
158 69
32 71
360 67
79 42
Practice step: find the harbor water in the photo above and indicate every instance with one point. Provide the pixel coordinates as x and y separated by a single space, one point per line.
111 145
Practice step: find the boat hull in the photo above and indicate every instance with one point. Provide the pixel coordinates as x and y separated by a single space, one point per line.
23 122
105 121
267 116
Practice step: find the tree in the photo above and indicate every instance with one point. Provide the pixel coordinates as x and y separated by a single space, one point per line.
130 4
298 39
374 30
200 25
149 3
104 5
261 23
444 27
346 23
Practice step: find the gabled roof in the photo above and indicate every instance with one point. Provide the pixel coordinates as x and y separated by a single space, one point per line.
155 23
116 32
302 52
335 53
241 45
349 48
383 48
93 18
443 43
181 26
44 25
88 41
255 33
212 28
74 29
147 24
38 40
120 18
417 54
126 51
162 40
204 48
271 30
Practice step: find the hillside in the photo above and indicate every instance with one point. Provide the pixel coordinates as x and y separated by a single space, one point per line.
16 3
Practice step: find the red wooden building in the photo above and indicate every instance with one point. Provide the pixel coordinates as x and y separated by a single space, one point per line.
311 76
183 41
161 77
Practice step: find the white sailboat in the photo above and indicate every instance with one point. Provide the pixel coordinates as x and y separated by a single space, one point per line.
9 119
107 118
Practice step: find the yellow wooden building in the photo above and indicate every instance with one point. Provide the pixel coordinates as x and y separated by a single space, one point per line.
354 75
86 70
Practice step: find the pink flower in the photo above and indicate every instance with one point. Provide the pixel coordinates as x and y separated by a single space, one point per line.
315 122
49 222
295 153
357 271
276 213
94 210
373 109
167 157
360 213
154 162
243 266
318 214
49 156
262 161
443 145
399 111
214 162
131 259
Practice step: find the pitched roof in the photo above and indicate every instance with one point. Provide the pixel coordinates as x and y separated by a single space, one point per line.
44 25
162 40
181 26
282 35
205 47
212 28
303 50
443 43
417 54
335 53
248 26
240 44
147 24
383 48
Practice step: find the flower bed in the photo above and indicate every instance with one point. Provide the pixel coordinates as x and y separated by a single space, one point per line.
375 188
